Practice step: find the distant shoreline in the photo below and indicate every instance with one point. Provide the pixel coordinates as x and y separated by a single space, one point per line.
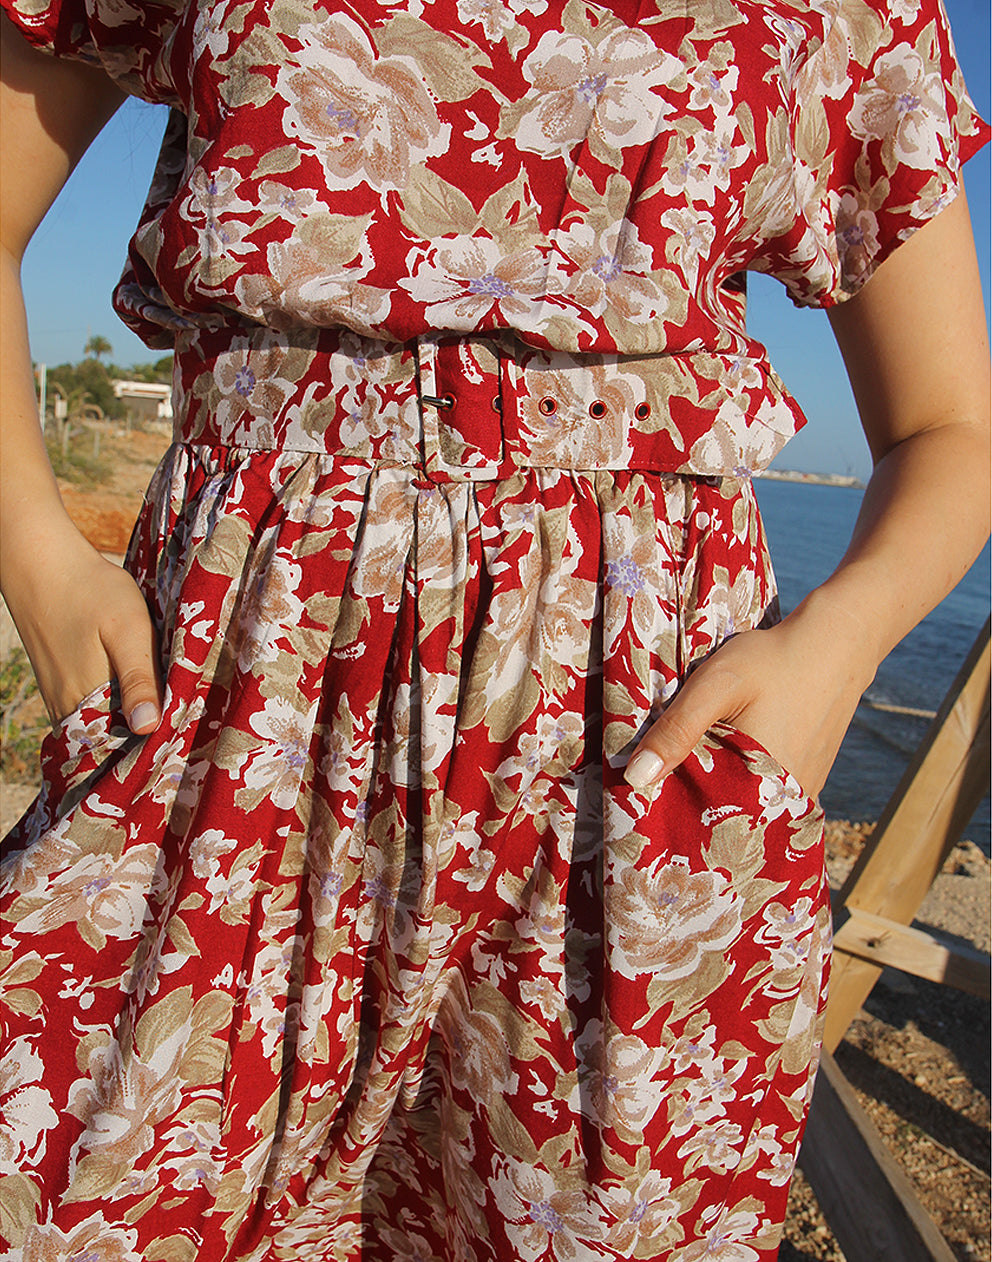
813 479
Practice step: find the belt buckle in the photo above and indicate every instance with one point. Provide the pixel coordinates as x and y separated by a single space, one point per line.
461 407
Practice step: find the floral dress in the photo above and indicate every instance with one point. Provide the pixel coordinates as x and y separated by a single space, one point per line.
369 952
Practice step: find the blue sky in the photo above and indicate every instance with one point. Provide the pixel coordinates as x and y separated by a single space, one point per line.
76 256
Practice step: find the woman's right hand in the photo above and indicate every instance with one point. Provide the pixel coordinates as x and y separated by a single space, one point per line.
80 617
82 621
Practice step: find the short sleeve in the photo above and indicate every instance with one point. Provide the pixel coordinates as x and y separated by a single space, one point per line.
881 123
131 42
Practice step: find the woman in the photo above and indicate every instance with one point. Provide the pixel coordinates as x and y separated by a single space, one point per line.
354 940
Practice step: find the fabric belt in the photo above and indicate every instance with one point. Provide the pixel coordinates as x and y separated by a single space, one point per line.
476 407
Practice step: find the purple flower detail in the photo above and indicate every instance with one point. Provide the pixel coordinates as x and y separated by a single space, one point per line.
543 1214
347 120
626 575
244 382
379 892
490 284
607 267
591 88
331 884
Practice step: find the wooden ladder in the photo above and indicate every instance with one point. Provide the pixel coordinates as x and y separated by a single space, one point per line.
868 1202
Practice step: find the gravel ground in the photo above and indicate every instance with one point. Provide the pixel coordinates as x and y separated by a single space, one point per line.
917 1057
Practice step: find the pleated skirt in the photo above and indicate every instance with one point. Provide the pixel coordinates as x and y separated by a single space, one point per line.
369 952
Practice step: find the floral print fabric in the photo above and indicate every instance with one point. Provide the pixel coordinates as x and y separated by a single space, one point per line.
582 178
369 951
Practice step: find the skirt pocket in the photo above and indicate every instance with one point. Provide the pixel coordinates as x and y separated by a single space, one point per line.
78 746
763 763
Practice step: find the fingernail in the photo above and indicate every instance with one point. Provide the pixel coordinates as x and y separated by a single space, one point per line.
643 769
144 712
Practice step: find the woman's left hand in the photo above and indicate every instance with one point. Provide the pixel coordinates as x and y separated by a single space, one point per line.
793 687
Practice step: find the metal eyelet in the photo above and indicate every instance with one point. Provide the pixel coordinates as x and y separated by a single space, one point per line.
446 401
597 409
547 406
497 403
642 411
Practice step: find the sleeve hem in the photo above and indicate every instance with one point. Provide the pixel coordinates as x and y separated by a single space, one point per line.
844 293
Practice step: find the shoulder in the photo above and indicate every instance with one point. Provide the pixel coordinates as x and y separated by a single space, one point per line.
126 38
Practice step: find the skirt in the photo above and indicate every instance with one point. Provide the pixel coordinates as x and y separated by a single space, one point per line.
369 952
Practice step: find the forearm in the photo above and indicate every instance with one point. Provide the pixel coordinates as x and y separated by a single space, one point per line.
50 111
28 491
923 521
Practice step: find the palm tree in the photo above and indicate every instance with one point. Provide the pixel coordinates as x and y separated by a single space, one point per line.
97 346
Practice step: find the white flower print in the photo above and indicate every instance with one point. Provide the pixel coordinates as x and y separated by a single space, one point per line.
368 118
857 239
710 158
717 1146
605 93
498 17
27 1114
287 201
618 1083
265 993
214 206
640 1213
464 835
692 235
92 1238
314 277
269 608
477 1046
713 90
250 385
903 107
665 919
725 1239
276 767
779 1159
612 269
703 1099
553 1220
206 849
786 923
102 893
463 281
83 732
195 1164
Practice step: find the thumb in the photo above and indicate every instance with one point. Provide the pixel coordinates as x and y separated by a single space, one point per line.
704 699
133 656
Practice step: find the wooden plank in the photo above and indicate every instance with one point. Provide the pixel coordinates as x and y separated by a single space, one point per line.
942 786
866 1198
883 941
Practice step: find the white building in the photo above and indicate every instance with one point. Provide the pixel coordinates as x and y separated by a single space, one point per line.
145 400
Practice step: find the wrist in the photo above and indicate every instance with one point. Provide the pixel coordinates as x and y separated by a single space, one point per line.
840 638
39 545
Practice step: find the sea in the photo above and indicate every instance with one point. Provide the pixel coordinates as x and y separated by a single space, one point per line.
808 527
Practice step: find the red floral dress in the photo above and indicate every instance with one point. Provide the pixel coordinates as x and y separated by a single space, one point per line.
369 951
